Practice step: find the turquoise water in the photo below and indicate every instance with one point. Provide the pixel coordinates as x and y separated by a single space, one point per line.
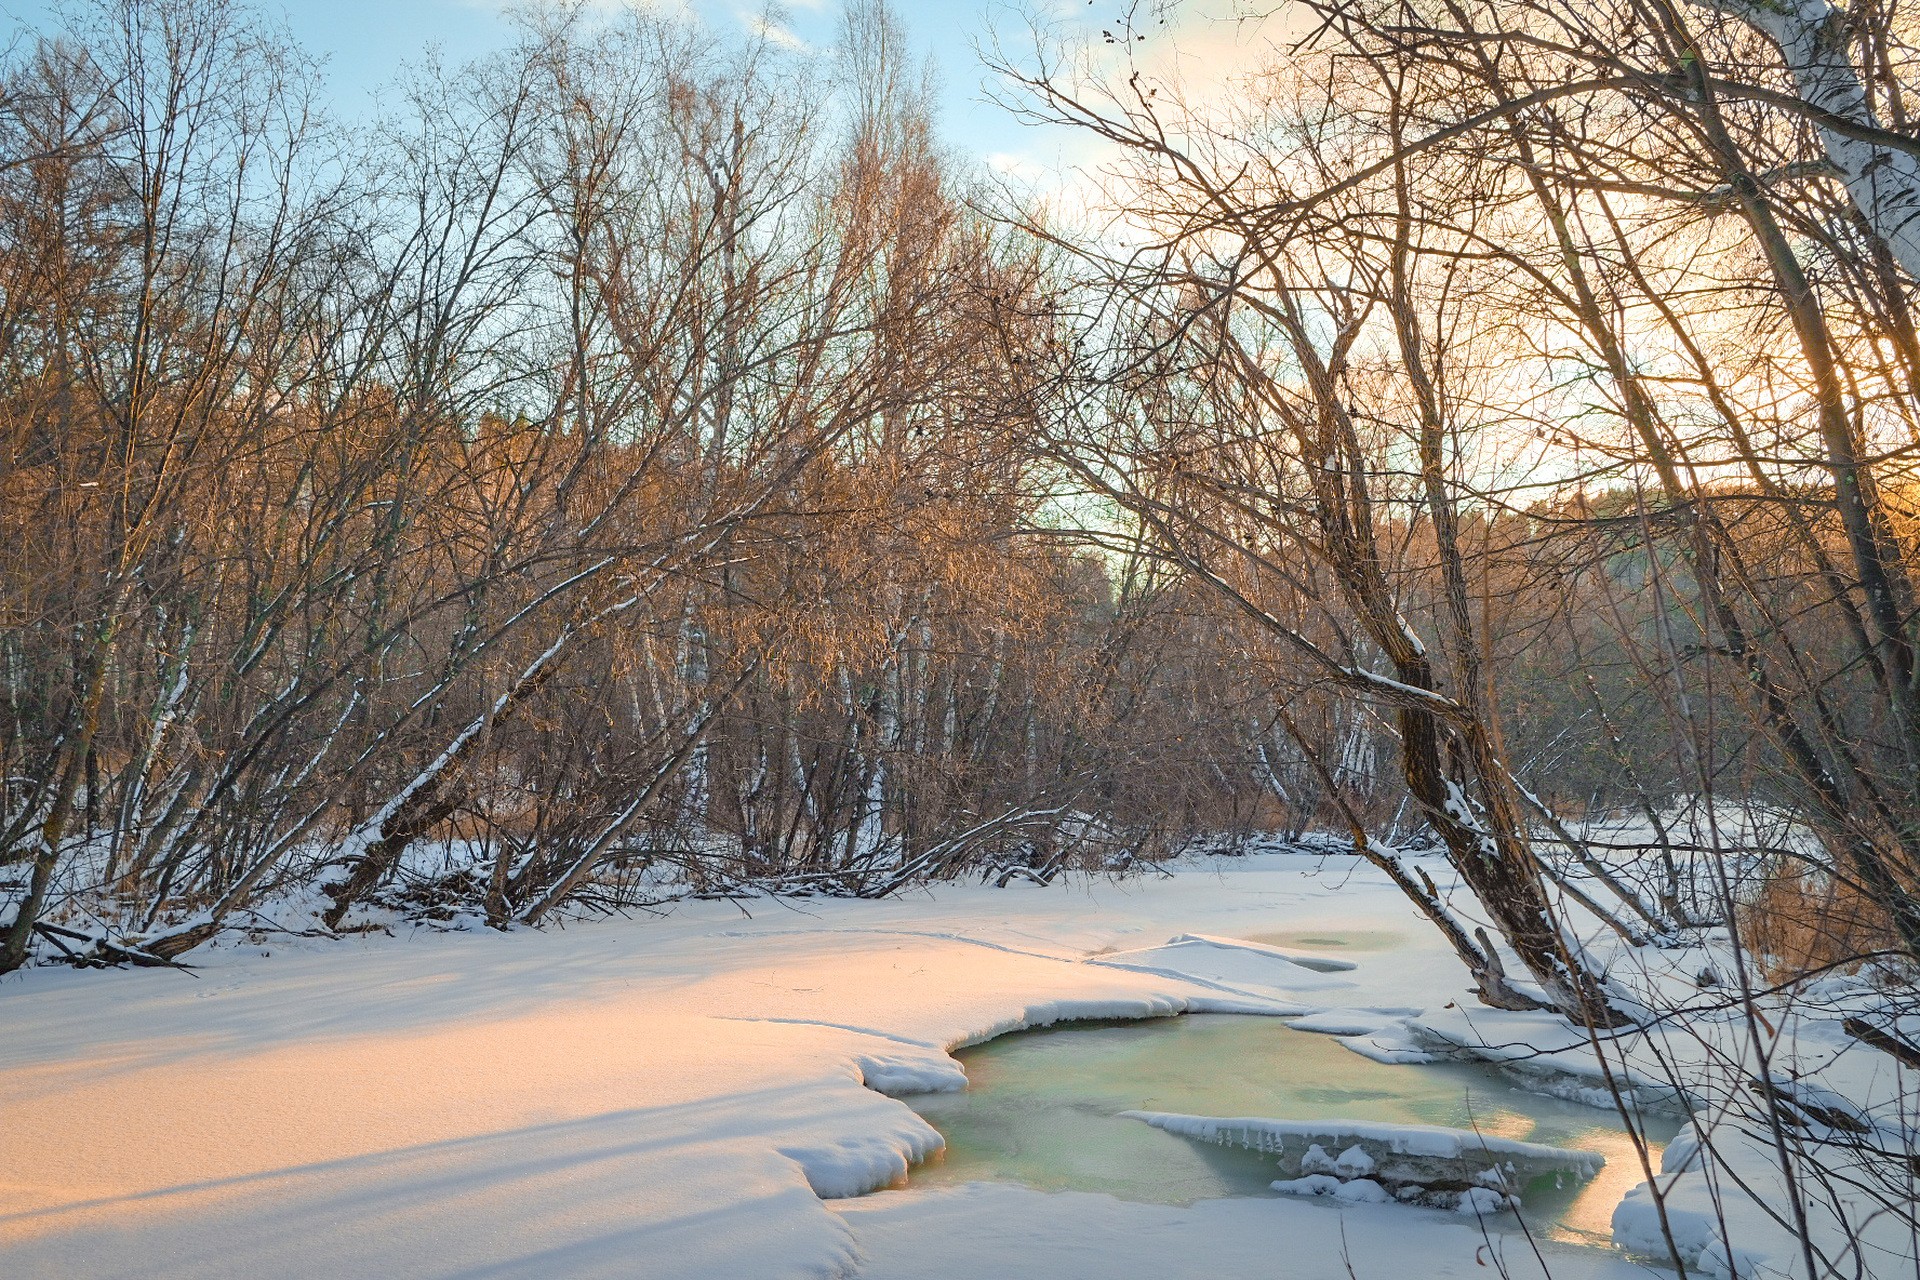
1042 1108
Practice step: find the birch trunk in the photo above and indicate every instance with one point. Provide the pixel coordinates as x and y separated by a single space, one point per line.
1883 181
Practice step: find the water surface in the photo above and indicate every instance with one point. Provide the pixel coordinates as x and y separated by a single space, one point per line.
1042 1108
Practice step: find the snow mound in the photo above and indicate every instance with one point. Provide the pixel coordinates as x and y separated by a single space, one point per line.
895 1074
1358 1191
1049 1013
1349 1022
1393 1043
857 1164
1545 1054
1305 959
1695 1214
1245 968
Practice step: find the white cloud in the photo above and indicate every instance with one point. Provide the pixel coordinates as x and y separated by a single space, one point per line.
1015 164
773 33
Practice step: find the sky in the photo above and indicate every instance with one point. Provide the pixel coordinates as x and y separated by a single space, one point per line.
366 43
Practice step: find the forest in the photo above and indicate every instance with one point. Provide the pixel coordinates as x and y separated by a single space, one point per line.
648 465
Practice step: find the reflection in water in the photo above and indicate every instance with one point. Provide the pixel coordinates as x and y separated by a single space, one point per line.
1042 1109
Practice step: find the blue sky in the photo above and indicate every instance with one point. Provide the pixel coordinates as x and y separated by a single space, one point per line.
365 43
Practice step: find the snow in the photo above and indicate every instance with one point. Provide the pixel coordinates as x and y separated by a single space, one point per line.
1275 977
1556 1055
1422 1140
550 1103
1354 1162
1351 1022
1305 959
1392 1042
1478 1202
697 1096
995 1232
1415 1163
1356 1191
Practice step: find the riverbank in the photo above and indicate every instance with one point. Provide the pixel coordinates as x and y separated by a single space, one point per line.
693 1096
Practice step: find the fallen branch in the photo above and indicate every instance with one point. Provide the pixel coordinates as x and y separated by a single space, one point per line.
1884 1041
105 950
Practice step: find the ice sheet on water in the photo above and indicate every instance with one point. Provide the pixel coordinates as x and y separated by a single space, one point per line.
1379 1140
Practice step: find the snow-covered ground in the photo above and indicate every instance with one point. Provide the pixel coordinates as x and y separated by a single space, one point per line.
693 1096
